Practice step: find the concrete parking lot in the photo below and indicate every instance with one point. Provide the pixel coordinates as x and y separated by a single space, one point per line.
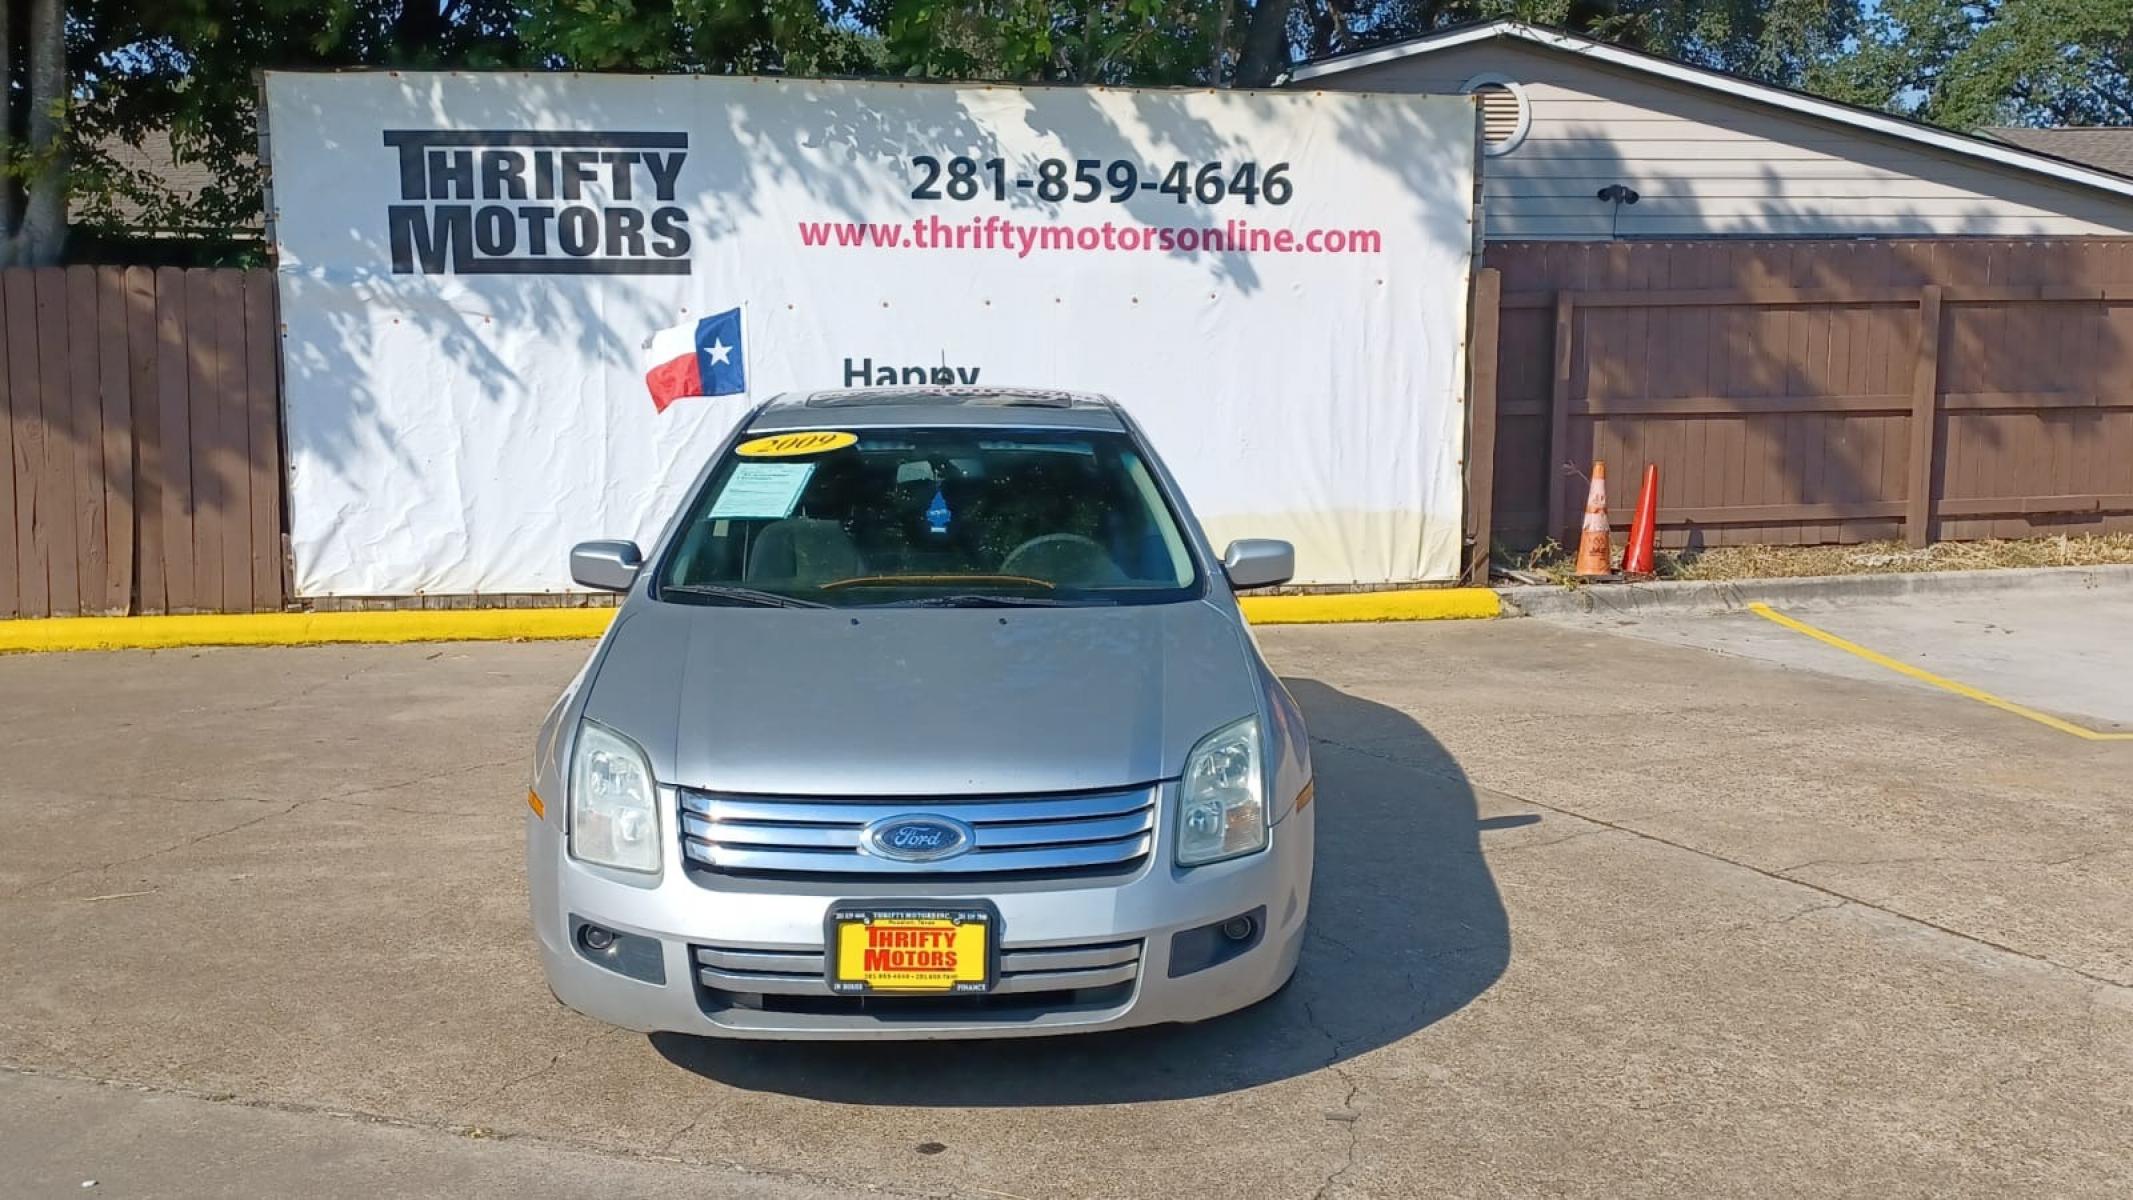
1595 915
2063 651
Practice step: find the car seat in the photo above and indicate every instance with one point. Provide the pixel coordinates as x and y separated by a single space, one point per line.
1064 558
802 550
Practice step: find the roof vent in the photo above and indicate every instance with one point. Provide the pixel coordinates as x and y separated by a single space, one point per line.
1505 114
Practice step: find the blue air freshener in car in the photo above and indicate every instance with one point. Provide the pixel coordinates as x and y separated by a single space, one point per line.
937 513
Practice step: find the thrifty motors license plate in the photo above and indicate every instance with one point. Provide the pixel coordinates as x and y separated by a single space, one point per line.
931 949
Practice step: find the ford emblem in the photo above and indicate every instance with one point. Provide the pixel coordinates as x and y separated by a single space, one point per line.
918 839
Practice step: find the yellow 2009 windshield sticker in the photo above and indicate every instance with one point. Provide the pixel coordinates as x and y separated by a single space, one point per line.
789 445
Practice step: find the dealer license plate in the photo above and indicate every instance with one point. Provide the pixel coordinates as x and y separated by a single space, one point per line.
937 949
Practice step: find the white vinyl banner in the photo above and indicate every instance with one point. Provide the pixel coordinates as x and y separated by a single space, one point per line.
473 267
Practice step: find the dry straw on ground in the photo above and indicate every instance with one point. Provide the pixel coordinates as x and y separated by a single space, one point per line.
1776 562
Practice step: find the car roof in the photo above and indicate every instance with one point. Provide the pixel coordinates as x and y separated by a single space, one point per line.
876 407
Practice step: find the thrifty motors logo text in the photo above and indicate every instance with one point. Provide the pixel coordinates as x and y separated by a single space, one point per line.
538 202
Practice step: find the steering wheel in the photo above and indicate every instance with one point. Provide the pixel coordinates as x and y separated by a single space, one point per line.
1062 558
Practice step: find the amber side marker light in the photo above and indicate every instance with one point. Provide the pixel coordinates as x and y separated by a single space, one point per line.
1304 797
533 801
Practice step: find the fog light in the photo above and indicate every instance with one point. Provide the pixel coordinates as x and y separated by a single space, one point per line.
1212 945
630 954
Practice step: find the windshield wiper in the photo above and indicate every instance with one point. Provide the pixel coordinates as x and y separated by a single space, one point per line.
981 600
741 595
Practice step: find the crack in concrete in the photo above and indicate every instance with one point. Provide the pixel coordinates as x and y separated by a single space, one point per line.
279 701
514 1081
1355 1137
1336 1053
2027 1073
1322 740
2092 1033
1317 936
460 1109
668 1145
424 812
1523 847
247 823
1767 873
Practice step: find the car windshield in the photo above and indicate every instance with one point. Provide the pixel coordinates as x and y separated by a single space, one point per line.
930 517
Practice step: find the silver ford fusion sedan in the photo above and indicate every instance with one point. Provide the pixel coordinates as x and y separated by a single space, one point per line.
931 714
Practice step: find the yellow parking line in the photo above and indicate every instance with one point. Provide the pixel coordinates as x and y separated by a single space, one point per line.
1961 689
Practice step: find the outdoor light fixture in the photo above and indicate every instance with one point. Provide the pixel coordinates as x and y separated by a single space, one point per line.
1617 194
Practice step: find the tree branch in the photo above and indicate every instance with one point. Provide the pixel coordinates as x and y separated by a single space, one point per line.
1266 44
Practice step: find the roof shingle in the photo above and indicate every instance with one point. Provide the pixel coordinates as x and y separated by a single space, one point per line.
2104 147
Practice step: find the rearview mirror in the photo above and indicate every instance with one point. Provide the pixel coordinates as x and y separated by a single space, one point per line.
1258 562
607 566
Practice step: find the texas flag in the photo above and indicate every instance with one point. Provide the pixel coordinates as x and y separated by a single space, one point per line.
700 358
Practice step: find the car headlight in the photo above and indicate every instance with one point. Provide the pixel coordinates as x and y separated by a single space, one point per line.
614 808
1222 798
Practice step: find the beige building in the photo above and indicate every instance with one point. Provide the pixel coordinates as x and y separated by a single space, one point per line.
1704 154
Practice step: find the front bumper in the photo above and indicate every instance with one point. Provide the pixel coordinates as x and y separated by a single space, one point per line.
685 917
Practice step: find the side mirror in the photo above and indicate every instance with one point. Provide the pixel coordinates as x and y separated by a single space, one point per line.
607 566
1258 562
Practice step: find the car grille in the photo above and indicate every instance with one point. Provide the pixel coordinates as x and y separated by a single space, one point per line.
1032 980
1030 836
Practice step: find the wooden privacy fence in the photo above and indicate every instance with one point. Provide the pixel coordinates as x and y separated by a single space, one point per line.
1805 392
140 421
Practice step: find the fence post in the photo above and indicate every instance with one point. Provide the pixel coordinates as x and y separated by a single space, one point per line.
1481 351
1925 401
1559 419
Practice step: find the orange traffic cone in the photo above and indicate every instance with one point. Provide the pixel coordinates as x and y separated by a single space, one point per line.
1644 530
1594 549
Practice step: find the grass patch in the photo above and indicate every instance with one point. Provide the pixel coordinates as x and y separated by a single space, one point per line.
1866 558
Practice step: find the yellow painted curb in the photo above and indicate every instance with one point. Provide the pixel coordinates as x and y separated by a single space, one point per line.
545 624
1419 604
303 629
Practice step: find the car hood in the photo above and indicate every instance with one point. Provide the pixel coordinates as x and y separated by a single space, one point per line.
895 702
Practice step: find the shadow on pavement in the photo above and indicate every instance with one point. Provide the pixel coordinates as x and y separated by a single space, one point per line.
1406 929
